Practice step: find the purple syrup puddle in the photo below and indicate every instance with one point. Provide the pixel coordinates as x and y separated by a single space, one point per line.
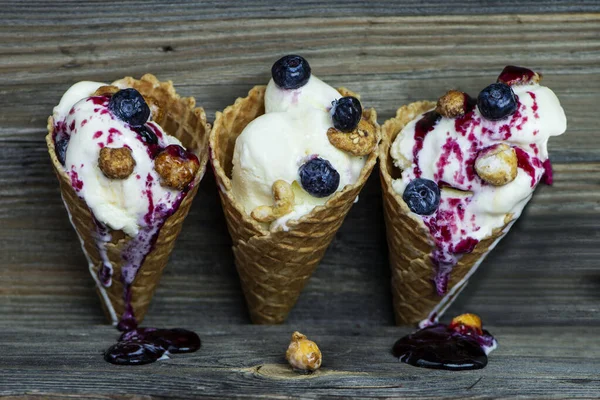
440 347
174 340
133 353
139 346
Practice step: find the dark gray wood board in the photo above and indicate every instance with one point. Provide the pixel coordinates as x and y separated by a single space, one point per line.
249 362
544 275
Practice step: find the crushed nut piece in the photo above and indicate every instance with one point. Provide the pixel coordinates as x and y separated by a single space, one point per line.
284 203
469 320
107 90
303 354
116 163
497 164
452 104
176 167
360 142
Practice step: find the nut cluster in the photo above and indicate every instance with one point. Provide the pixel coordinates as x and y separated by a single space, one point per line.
175 167
471 321
302 354
116 163
284 203
497 164
452 104
359 142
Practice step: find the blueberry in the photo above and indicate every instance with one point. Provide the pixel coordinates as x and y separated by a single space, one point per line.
319 178
346 113
129 106
147 134
422 196
497 101
60 147
290 72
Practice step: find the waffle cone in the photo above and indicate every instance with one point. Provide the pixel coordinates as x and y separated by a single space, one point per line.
275 265
410 243
178 117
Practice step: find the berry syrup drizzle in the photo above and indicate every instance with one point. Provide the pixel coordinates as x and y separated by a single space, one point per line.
136 346
442 346
453 226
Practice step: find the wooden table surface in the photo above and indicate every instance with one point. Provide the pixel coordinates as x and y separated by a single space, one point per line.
539 291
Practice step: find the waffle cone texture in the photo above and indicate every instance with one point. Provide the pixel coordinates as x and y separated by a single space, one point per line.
410 243
274 266
179 117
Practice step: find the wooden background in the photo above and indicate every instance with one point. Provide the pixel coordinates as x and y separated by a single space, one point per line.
539 291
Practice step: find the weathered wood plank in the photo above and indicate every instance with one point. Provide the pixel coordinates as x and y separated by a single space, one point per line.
389 60
249 362
15 13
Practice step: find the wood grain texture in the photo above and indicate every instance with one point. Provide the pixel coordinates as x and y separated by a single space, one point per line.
543 274
250 363
72 12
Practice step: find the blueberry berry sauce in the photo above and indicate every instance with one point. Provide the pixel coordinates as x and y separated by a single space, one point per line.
147 345
444 150
122 120
449 347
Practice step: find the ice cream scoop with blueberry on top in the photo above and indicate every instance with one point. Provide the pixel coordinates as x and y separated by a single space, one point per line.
470 166
310 143
132 176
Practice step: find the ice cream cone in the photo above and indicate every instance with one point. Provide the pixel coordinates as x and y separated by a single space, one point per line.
180 118
275 265
410 244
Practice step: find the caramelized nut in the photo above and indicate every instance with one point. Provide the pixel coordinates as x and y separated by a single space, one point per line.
497 164
284 203
116 163
303 354
469 320
176 167
452 104
359 142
